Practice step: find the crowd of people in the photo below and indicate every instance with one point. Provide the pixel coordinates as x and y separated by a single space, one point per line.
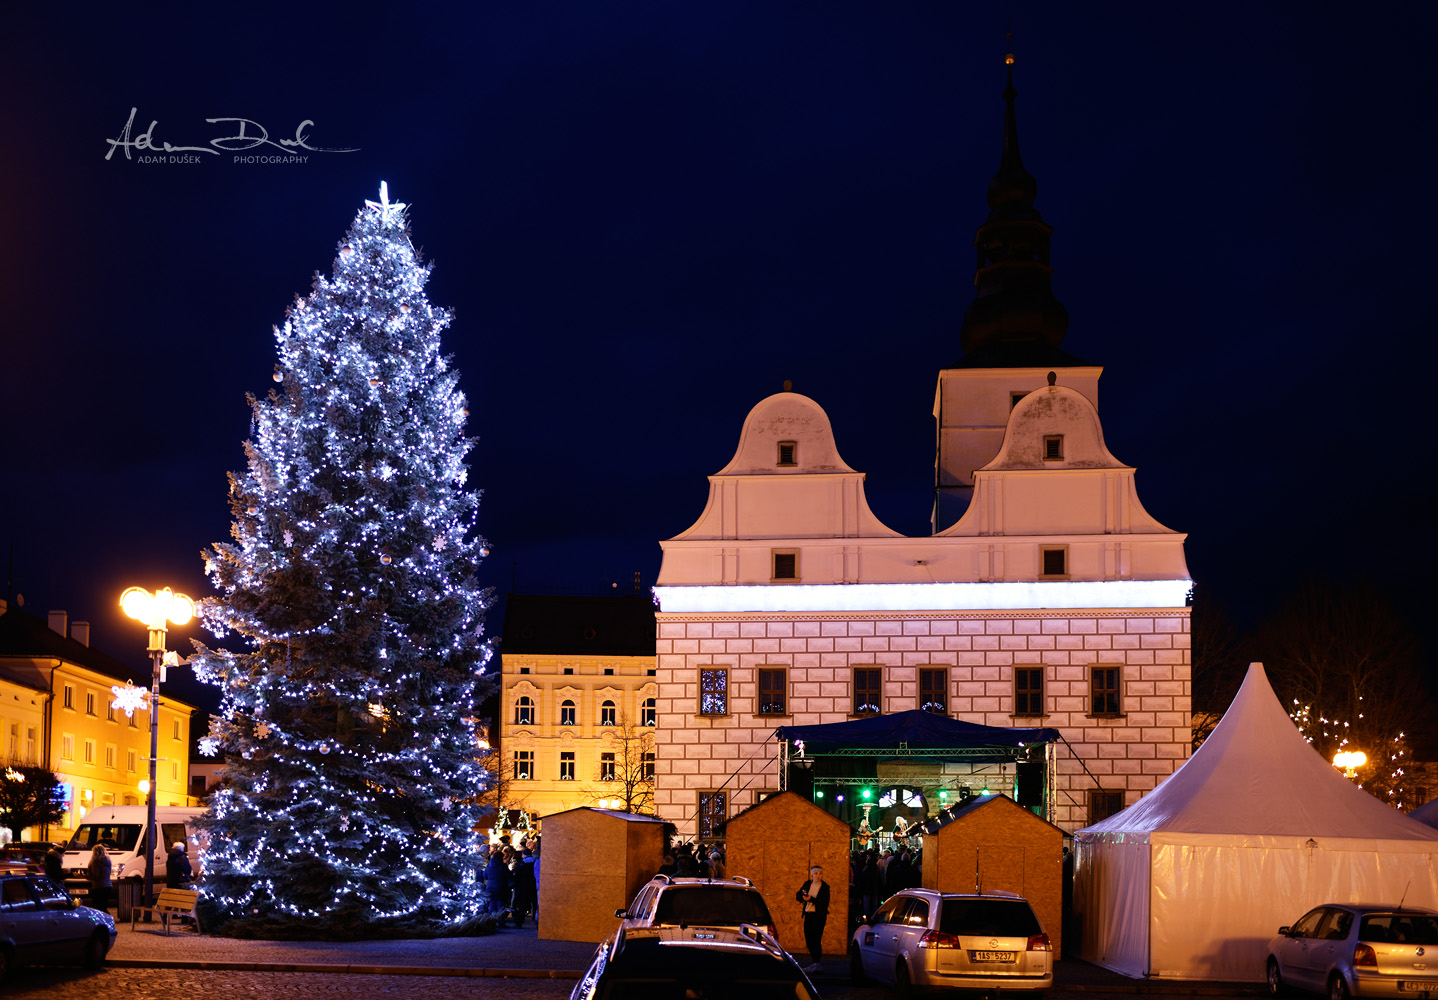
876 875
511 879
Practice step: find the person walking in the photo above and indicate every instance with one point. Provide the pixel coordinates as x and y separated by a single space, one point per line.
814 895
177 867
99 872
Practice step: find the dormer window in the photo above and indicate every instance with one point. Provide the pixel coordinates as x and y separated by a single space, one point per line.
1053 448
787 452
1054 562
786 566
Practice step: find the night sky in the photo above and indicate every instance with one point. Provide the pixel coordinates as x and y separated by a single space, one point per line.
647 216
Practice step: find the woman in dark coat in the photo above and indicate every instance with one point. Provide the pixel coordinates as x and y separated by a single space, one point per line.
496 883
525 889
99 872
814 894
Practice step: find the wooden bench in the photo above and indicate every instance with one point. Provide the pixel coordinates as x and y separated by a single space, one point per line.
177 903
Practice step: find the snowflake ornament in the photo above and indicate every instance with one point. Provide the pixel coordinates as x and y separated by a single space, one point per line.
209 746
446 803
345 823
262 730
129 699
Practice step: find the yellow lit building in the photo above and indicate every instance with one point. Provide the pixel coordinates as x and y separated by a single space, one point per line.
56 712
577 705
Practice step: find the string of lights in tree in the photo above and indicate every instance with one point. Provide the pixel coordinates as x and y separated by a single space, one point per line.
1389 785
351 770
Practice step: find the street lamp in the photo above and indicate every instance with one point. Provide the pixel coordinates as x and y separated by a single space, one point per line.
157 611
1350 761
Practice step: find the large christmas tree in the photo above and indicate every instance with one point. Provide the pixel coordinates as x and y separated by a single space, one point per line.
347 728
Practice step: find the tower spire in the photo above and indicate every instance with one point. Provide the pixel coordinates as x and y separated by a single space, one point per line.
1015 310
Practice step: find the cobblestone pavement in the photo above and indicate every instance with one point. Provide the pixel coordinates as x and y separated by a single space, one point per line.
179 984
186 984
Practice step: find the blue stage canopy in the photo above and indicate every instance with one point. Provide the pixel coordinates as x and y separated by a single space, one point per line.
914 733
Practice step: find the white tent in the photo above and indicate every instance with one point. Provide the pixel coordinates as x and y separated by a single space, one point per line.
1252 831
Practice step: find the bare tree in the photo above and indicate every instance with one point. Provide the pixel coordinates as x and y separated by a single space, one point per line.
1218 664
1347 668
626 767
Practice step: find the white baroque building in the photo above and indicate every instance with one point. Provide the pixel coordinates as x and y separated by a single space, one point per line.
1047 595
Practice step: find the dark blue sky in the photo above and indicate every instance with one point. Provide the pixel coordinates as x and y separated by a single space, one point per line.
646 216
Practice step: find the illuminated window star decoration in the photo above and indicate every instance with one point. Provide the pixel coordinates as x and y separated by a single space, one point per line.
129 699
209 746
262 730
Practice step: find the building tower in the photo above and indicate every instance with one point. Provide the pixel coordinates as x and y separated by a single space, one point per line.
1010 334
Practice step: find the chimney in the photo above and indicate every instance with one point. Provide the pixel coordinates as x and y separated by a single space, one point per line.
80 632
57 621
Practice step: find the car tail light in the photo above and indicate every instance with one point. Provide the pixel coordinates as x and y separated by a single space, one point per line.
1040 942
1363 956
938 939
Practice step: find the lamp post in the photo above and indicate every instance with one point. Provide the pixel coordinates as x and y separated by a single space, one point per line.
156 611
1350 761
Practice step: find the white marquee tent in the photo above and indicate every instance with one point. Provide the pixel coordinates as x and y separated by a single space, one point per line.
1255 829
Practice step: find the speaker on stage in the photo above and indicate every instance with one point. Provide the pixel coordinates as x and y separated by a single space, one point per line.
801 780
1029 783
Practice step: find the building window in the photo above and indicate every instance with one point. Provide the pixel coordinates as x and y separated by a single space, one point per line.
1028 690
934 690
134 720
786 566
89 751
1103 803
1054 561
606 767
69 701
646 764
109 712
524 670
868 695
607 715
107 798
176 732
524 711
174 770
787 452
67 746
1103 683
1014 398
649 712
714 691
524 765
89 702
1053 448
14 741
29 744
652 672
608 671
568 671
712 806
130 761
566 713
566 765
773 685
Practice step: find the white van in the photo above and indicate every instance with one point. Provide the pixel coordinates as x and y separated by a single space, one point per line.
121 829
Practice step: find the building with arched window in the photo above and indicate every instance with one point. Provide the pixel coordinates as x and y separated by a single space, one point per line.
579 703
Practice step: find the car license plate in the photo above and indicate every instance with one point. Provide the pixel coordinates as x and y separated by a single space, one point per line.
991 956
1418 987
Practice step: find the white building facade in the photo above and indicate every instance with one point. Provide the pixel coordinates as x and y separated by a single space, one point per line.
1046 597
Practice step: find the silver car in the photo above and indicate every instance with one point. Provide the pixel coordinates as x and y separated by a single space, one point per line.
697 904
1358 949
924 938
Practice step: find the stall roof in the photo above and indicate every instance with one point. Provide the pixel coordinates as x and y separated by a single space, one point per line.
914 734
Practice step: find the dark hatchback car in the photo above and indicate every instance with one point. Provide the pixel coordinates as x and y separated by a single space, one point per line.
41 924
671 963
1358 949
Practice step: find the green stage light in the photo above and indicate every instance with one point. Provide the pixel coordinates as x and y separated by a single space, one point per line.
866 793
943 794
818 793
